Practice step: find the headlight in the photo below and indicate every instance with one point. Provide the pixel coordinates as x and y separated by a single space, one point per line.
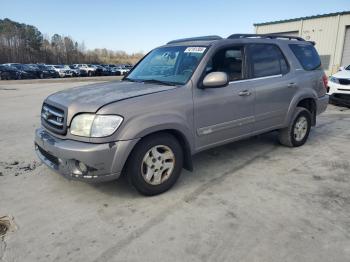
334 79
91 125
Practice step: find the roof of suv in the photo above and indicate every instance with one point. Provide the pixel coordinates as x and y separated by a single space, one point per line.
238 38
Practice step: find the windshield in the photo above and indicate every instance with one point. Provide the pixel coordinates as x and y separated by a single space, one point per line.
174 64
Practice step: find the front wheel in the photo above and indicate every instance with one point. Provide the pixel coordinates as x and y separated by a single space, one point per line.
155 164
298 131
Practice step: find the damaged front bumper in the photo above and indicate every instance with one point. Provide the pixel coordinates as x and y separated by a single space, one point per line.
80 160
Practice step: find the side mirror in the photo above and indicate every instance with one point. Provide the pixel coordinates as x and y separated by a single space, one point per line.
341 68
215 79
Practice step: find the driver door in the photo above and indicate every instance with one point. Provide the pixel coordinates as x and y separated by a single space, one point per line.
227 113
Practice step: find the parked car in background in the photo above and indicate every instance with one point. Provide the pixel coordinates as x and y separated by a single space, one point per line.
45 71
30 73
128 67
99 70
62 70
89 71
76 71
9 73
118 70
339 86
182 98
122 70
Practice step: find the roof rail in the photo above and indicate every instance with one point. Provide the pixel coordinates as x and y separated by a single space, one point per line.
199 38
270 36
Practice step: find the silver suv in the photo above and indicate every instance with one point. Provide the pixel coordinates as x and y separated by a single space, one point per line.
182 98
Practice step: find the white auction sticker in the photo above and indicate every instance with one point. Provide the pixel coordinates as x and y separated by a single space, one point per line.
195 49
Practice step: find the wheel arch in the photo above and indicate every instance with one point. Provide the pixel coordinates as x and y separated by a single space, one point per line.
307 101
180 137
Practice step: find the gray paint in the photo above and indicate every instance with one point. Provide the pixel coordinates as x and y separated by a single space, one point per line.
205 117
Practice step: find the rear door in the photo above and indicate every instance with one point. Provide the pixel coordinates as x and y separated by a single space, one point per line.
274 85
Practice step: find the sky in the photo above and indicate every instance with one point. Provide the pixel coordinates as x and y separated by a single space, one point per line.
139 26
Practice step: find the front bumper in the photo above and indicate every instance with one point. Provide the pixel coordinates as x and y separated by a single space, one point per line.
339 94
103 162
335 88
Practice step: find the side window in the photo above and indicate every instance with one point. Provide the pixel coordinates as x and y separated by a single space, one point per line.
228 60
266 60
307 56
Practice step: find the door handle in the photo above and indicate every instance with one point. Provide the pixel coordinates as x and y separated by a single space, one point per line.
244 93
292 85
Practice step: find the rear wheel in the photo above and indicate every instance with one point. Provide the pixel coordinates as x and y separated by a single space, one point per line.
155 164
298 131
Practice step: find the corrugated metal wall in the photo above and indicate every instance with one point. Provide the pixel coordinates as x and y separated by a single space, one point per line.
327 32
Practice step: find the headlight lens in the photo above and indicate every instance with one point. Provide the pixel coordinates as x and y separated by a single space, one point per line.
334 80
91 125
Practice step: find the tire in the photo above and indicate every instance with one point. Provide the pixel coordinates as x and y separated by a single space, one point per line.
138 170
296 133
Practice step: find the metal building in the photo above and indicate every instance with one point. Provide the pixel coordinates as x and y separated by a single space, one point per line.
331 32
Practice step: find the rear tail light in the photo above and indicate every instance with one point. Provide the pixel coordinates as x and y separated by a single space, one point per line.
325 81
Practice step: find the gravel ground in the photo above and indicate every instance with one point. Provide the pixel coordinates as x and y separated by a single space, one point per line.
252 200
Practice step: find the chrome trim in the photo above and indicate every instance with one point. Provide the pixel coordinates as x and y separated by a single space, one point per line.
225 125
54 122
254 79
53 112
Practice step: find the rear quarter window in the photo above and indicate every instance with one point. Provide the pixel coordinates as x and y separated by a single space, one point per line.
307 56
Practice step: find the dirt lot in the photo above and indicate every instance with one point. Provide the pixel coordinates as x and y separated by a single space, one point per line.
248 201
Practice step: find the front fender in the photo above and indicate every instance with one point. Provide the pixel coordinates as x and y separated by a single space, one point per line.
143 125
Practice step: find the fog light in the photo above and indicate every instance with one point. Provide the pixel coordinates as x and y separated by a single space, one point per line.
82 167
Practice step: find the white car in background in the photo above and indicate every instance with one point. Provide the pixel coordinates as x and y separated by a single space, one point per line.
339 86
62 70
86 69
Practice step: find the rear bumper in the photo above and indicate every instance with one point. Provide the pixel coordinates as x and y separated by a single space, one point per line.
103 162
321 104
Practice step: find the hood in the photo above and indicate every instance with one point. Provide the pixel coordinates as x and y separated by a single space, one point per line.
90 98
342 74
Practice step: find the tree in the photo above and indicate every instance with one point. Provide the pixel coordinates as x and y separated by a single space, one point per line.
23 43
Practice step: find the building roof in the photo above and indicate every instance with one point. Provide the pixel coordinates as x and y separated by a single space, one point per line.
303 18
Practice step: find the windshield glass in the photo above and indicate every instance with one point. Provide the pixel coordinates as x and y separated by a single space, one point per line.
174 64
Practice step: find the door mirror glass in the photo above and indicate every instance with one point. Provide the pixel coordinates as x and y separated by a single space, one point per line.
215 79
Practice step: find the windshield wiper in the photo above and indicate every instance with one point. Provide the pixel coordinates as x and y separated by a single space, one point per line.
155 81
130 79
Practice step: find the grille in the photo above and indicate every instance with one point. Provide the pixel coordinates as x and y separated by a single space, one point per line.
48 156
343 81
53 118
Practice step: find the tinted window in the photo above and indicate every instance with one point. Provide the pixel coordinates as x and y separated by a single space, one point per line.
307 56
228 61
266 60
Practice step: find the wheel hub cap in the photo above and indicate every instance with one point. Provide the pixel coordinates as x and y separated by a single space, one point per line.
300 128
158 164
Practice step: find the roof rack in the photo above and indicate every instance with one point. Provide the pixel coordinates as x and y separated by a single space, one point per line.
270 36
199 38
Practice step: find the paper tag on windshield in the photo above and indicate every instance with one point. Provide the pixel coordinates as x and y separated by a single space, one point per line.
195 49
